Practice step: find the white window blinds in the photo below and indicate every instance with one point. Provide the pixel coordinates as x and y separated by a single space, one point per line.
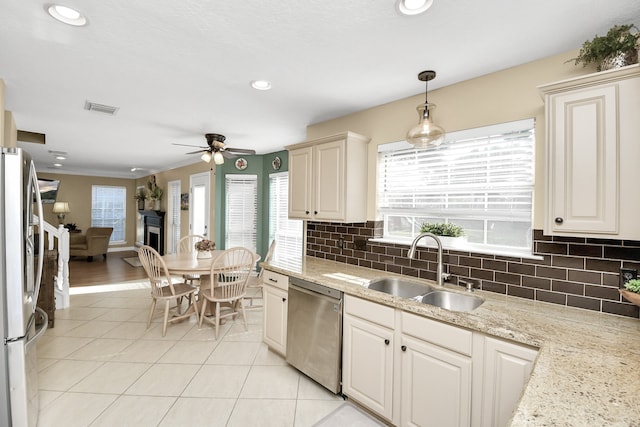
288 233
108 209
480 179
241 211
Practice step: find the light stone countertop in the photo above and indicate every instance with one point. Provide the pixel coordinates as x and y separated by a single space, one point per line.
588 368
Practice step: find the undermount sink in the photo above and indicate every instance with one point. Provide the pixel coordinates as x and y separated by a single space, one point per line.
399 287
451 300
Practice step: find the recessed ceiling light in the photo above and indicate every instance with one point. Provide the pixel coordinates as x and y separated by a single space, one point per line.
261 84
67 15
413 7
61 158
58 165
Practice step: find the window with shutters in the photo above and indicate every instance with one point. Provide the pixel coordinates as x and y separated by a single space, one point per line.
108 209
288 233
241 194
481 179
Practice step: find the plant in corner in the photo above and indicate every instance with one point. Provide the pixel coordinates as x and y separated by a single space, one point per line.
619 47
442 229
632 291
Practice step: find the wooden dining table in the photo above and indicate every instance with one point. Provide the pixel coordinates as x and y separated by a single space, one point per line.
189 263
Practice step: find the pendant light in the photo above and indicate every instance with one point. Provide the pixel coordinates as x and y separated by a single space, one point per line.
426 133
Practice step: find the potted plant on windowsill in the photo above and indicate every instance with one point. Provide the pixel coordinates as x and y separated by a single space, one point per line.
450 234
632 291
619 47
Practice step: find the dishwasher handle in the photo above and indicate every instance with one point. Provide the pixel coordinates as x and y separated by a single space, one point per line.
315 288
327 298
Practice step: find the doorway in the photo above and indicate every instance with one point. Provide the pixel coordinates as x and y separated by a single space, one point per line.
199 203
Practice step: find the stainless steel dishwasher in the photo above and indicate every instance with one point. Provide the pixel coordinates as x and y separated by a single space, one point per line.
314 332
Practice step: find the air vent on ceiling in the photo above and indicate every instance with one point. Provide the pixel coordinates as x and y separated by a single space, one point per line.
34 137
100 108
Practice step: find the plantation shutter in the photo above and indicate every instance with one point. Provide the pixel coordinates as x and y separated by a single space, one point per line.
241 211
288 233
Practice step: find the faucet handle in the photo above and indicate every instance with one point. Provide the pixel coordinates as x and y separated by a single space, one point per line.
469 284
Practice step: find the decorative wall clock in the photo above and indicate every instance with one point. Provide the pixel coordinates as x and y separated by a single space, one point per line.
276 163
241 164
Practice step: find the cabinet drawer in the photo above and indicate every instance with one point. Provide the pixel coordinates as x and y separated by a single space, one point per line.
448 336
275 279
371 311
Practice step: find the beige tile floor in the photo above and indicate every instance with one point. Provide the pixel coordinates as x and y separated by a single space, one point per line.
100 366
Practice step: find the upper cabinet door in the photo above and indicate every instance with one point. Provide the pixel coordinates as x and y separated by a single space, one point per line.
300 183
592 153
330 186
584 159
328 178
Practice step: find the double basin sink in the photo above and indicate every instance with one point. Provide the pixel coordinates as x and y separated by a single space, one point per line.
426 294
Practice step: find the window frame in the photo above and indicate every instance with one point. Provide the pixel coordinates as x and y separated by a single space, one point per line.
123 220
485 134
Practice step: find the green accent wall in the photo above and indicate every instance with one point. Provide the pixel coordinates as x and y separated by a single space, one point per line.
260 165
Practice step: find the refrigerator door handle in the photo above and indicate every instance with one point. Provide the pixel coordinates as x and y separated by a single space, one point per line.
33 187
40 331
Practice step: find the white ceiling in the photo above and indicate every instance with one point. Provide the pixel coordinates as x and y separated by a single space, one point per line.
179 69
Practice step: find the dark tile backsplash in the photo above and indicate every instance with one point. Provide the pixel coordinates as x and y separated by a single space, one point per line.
577 272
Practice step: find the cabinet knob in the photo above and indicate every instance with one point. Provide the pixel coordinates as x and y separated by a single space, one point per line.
403 348
315 212
386 341
306 212
559 220
284 299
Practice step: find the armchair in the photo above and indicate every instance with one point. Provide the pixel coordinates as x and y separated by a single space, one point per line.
94 242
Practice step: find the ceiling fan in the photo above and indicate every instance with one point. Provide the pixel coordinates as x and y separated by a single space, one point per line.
217 149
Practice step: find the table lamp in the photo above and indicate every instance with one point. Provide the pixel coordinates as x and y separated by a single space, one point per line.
61 208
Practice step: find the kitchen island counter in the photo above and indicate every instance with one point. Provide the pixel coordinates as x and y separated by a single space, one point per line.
587 370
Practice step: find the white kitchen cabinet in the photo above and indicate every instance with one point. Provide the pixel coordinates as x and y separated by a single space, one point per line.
411 370
506 370
368 354
436 373
328 178
275 296
591 154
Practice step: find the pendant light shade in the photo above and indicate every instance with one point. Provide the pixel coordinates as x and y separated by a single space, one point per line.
218 159
426 133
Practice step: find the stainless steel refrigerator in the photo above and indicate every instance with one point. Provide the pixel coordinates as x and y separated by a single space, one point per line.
21 254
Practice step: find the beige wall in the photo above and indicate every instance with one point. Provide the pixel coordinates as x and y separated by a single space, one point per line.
76 189
183 174
499 97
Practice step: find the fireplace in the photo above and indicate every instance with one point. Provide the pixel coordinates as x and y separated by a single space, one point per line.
154 229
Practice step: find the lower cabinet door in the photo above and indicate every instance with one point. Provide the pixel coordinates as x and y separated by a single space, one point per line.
367 365
436 385
507 367
275 318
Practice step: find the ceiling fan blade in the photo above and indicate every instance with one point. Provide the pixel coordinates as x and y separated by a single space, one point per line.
240 150
199 151
228 155
188 145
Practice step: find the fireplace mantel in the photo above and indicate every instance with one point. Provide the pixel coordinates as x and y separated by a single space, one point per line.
154 229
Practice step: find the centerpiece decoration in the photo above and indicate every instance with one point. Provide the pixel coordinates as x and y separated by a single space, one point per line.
204 248
632 291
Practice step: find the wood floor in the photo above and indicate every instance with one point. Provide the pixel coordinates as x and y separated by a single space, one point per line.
101 271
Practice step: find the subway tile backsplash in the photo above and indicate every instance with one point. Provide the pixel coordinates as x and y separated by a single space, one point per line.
576 272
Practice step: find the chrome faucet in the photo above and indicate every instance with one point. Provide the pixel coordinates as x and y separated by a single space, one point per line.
412 253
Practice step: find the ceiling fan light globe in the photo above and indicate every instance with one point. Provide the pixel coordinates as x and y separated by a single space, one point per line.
206 157
218 159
